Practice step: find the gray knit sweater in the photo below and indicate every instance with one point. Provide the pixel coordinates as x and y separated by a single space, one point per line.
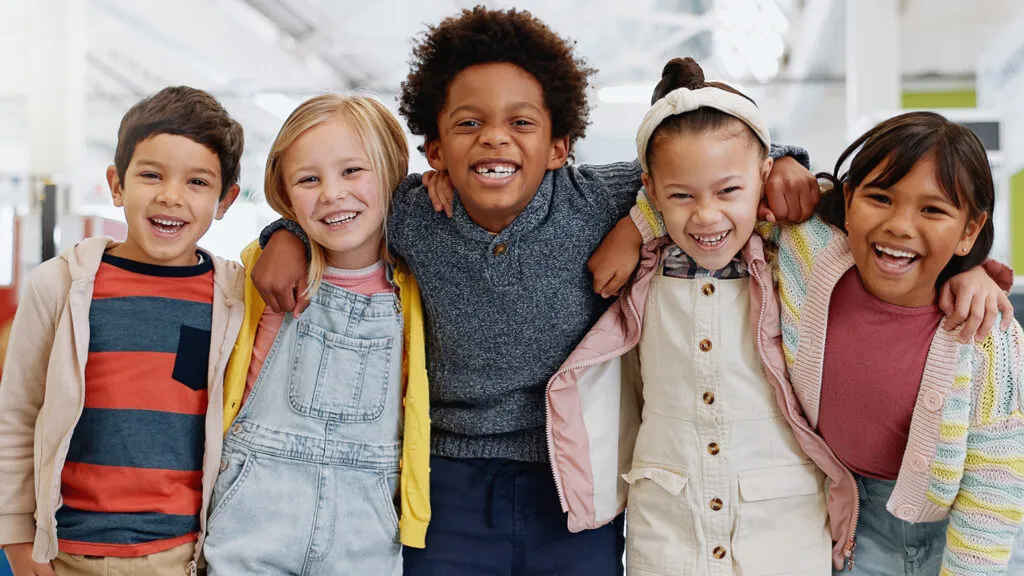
503 312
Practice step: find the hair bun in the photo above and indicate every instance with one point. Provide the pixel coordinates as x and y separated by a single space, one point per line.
679 73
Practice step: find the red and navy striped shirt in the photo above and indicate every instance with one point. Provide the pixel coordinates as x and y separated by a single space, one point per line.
132 482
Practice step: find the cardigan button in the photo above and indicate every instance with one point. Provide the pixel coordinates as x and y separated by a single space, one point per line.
919 463
906 512
933 400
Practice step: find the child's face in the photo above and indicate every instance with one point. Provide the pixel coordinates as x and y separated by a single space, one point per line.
170 195
495 141
707 188
333 192
902 237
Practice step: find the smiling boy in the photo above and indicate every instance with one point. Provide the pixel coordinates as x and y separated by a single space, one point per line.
112 384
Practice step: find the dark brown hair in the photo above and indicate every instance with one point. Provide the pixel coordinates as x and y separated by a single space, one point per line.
901 142
188 112
482 36
686 73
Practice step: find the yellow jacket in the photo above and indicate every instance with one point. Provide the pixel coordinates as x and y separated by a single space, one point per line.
415 462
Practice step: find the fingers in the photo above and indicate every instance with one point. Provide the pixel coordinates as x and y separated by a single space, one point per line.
1006 309
764 213
961 310
779 204
991 311
946 303
44 570
974 320
301 298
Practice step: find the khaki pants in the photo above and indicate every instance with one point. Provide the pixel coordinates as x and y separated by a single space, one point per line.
173 562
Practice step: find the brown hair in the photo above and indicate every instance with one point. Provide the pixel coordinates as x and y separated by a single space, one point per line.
188 112
382 138
686 73
483 36
898 144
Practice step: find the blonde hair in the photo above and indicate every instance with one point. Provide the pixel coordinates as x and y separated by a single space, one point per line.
384 143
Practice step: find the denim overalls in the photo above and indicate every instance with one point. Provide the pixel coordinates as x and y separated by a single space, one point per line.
310 468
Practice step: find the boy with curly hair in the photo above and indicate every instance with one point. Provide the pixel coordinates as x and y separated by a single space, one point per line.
500 100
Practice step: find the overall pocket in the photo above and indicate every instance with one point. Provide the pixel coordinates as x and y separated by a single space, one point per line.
339 378
660 536
235 467
782 523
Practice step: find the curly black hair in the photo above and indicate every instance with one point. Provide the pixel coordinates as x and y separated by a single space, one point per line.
480 36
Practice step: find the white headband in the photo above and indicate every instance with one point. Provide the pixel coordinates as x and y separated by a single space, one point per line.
685 100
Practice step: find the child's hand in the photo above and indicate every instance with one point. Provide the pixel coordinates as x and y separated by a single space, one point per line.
790 194
439 187
280 274
971 300
20 558
613 262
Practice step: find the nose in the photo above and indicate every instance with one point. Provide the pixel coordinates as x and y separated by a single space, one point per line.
171 194
331 189
494 136
900 222
707 213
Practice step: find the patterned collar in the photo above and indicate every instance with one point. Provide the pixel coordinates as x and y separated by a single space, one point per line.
678 264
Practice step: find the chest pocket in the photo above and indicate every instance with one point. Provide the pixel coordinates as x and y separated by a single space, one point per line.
339 378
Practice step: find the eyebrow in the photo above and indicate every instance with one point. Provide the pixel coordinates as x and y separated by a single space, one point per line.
714 184
155 164
345 160
512 106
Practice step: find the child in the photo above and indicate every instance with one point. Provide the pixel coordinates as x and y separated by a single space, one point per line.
311 462
931 428
500 100
111 404
723 477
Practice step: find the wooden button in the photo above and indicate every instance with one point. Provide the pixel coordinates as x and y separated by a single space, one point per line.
716 504
500 249
719 552
713 449
709 398
708 289
705 345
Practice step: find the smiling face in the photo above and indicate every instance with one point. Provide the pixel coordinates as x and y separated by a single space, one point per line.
171 193
902 237
707 187
334 193
495 141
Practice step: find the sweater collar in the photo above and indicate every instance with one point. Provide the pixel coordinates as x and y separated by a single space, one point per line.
531 216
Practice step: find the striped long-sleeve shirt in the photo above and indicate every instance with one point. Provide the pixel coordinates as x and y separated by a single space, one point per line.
132 481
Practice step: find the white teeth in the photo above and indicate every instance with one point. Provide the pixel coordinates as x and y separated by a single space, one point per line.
709 240
895 253
495 170
340 218
162 222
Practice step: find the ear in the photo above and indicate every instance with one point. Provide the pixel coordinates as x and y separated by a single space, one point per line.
766 169
649 185
114 183
435 155
227 201
559 153
848 195
970 236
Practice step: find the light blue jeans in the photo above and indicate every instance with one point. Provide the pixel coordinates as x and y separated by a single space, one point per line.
310 466
888 546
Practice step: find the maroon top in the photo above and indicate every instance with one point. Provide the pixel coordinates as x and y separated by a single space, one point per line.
875 354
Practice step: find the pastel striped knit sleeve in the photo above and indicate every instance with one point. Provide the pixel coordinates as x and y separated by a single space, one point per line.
982 427
798 248
646 218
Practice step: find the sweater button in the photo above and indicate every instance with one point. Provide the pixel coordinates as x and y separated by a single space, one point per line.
709 398
500 249
933 400
708 289
705 345
718 552
715 504
919 463
906 512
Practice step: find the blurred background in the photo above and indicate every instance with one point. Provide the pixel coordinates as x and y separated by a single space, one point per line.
822 71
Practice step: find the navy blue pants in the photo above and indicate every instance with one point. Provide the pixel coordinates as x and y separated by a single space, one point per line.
502 518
